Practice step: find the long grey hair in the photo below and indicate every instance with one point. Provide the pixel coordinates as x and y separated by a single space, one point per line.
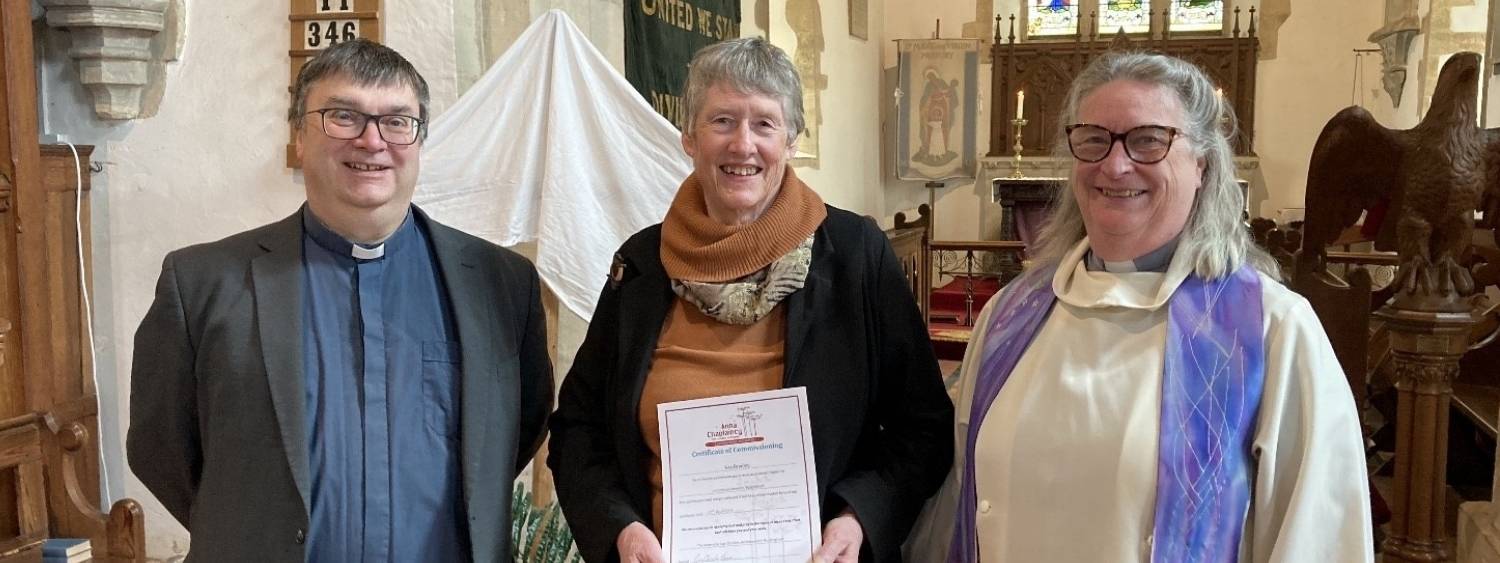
1215 238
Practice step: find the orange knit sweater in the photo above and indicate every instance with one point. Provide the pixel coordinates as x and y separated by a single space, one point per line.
697 356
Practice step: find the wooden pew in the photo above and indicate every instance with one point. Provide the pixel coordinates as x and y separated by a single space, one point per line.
923 258
910 239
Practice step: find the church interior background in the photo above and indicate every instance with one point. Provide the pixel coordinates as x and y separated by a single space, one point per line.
202 153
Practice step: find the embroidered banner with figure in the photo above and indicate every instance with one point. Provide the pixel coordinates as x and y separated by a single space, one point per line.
938 100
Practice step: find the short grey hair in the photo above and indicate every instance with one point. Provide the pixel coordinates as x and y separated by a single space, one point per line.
1215 237
365 62
750 65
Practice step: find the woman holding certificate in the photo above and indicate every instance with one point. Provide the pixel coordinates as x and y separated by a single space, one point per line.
751 283
1147 390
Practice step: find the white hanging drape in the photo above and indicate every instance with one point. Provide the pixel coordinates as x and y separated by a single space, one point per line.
553 145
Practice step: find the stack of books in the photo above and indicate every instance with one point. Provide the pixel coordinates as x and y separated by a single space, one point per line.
67 550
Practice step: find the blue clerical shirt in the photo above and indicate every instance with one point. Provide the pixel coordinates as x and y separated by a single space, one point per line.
381 362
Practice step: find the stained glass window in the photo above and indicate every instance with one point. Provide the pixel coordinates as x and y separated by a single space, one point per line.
1051 17
1134 16
1062 17
1197 15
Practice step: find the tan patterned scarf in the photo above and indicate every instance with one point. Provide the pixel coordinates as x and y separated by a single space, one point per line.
738 274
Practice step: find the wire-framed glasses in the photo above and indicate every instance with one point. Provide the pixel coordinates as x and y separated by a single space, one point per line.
346 124
1147 144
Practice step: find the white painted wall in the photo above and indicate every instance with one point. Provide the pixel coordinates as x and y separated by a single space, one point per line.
1310 81
212 162
846 175
958 203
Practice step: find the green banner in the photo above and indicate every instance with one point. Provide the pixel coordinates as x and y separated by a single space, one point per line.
660 39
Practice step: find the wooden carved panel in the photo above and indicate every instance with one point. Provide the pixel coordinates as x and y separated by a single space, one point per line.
60 185
23 500
5 191
10 306
46 393
1045 70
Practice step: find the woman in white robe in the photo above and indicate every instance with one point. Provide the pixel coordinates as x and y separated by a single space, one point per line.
1071 460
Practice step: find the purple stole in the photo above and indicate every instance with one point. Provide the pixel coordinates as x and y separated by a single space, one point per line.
1212 379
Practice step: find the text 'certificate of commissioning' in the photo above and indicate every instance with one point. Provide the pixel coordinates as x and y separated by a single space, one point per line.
738 479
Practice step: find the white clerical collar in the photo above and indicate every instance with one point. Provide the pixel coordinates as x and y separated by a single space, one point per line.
1155 261
1118 267
337 244
362 253
1078 285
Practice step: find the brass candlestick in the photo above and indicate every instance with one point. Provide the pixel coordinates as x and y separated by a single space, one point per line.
1015 163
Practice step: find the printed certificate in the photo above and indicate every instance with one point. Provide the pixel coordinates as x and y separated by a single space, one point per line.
738 479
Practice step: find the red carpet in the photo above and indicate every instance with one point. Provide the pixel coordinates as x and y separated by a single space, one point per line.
947 315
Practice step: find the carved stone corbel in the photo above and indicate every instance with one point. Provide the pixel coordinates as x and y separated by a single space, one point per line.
111 40
1394 39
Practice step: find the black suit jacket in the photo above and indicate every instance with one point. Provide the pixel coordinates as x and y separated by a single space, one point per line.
217 413
882 424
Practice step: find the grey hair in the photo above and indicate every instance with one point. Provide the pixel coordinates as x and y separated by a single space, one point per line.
1215 237
365 62
749 65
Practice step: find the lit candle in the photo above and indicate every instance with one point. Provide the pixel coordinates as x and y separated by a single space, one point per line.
1020 103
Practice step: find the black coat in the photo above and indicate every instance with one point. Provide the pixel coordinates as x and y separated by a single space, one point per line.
882 424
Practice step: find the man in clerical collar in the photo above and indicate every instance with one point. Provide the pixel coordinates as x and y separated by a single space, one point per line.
356 382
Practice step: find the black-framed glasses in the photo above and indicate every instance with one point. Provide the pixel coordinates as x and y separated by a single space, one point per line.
347 124
1147 144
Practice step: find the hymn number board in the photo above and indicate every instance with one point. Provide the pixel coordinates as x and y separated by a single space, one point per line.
320 24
